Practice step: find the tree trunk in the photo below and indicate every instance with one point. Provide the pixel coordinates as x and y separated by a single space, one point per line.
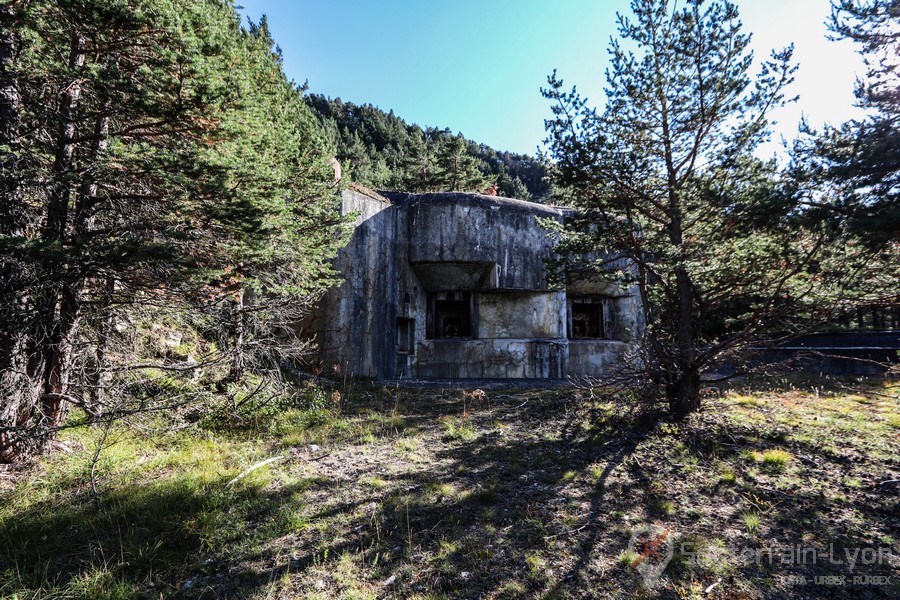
60 192
683 390
97 377
61 306
684 394
238 332
18 392
58 358
87 191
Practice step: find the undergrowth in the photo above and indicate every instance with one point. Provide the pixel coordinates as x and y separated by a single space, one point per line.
372 492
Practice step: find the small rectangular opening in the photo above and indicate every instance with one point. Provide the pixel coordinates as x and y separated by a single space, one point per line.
406 335
588 318
450 315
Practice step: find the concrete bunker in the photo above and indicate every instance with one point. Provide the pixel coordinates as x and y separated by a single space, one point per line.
453 285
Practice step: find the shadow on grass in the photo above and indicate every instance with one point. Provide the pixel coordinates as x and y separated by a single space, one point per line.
136 540
533 506
482 521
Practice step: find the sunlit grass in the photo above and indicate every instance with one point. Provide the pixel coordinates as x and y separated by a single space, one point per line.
728 476
773 461
427 499
751 520
458 429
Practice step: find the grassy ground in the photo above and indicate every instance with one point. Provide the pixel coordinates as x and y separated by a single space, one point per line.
443 493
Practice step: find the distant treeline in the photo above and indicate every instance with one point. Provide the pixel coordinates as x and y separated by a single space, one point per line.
382 151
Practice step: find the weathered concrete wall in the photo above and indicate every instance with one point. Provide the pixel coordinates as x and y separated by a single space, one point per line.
627 318
405 247
505 315
470 228
492 359
357 323
595 358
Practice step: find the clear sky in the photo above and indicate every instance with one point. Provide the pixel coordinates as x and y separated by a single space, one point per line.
476 66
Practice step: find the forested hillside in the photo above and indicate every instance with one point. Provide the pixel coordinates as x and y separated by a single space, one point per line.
381 150
159 172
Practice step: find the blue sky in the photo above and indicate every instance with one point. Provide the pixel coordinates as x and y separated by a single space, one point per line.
477 66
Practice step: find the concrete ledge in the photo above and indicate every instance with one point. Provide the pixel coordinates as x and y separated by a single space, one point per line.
595 358
491 359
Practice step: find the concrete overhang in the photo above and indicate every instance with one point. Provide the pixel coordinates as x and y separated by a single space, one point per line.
456 276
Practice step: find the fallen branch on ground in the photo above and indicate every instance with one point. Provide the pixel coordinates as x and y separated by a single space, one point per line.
254 467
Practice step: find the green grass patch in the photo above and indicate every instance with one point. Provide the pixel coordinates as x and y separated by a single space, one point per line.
374 497
459 429
751 521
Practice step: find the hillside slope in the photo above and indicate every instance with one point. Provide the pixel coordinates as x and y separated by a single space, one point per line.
378 149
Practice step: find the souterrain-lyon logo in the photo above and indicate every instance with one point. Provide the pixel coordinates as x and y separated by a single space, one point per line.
653 548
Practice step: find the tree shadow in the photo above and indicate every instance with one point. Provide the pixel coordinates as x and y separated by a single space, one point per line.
471 526
141 538
533 505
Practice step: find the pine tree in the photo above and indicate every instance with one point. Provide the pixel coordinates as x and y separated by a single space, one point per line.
417 167
168 160
456 170
861 158
510 186
666 173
